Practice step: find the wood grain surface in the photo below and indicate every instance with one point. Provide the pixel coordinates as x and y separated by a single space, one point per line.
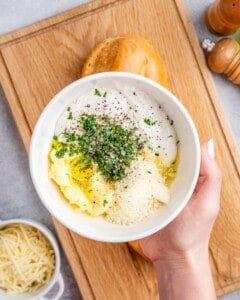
39 60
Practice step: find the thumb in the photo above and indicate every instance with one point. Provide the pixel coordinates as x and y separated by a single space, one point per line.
209 184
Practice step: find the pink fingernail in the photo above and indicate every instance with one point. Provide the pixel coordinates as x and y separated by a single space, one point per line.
210 147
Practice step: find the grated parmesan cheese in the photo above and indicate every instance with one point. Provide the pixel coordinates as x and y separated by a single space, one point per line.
139 193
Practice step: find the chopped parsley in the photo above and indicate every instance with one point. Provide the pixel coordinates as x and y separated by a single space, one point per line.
109 145
105 202
70 136
55 137
105 142
70 114
149 172
97 93
149 122
60 153
100 94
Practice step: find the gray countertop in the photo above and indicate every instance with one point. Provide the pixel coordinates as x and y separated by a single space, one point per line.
17 195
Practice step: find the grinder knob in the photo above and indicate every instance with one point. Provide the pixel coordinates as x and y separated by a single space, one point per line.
224 57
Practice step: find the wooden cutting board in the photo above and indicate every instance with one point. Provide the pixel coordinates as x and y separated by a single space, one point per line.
39 60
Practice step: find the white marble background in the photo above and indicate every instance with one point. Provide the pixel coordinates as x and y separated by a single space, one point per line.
17 195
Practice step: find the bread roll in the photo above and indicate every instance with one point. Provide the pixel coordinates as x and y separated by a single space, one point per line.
127 53
137 248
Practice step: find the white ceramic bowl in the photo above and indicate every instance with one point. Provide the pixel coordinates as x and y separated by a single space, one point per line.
56 277
97 228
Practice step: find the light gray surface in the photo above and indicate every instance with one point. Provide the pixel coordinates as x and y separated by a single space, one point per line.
15 14
18 198
17 195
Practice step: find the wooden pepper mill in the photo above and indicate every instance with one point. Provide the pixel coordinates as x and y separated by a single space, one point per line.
223 16
224 57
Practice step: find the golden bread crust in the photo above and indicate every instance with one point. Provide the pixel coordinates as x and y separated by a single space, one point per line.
127 53
137 248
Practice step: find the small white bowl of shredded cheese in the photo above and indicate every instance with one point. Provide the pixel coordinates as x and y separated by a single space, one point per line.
115 157
29 261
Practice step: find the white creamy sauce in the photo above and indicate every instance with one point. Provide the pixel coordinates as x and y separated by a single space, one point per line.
130 106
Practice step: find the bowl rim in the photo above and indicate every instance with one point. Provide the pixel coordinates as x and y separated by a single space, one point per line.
115 75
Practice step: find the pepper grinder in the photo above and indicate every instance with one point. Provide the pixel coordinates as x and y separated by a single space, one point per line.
223 16
224 57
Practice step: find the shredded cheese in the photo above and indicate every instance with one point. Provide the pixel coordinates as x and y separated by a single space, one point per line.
27 259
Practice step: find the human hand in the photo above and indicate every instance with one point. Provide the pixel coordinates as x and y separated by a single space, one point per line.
190 231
